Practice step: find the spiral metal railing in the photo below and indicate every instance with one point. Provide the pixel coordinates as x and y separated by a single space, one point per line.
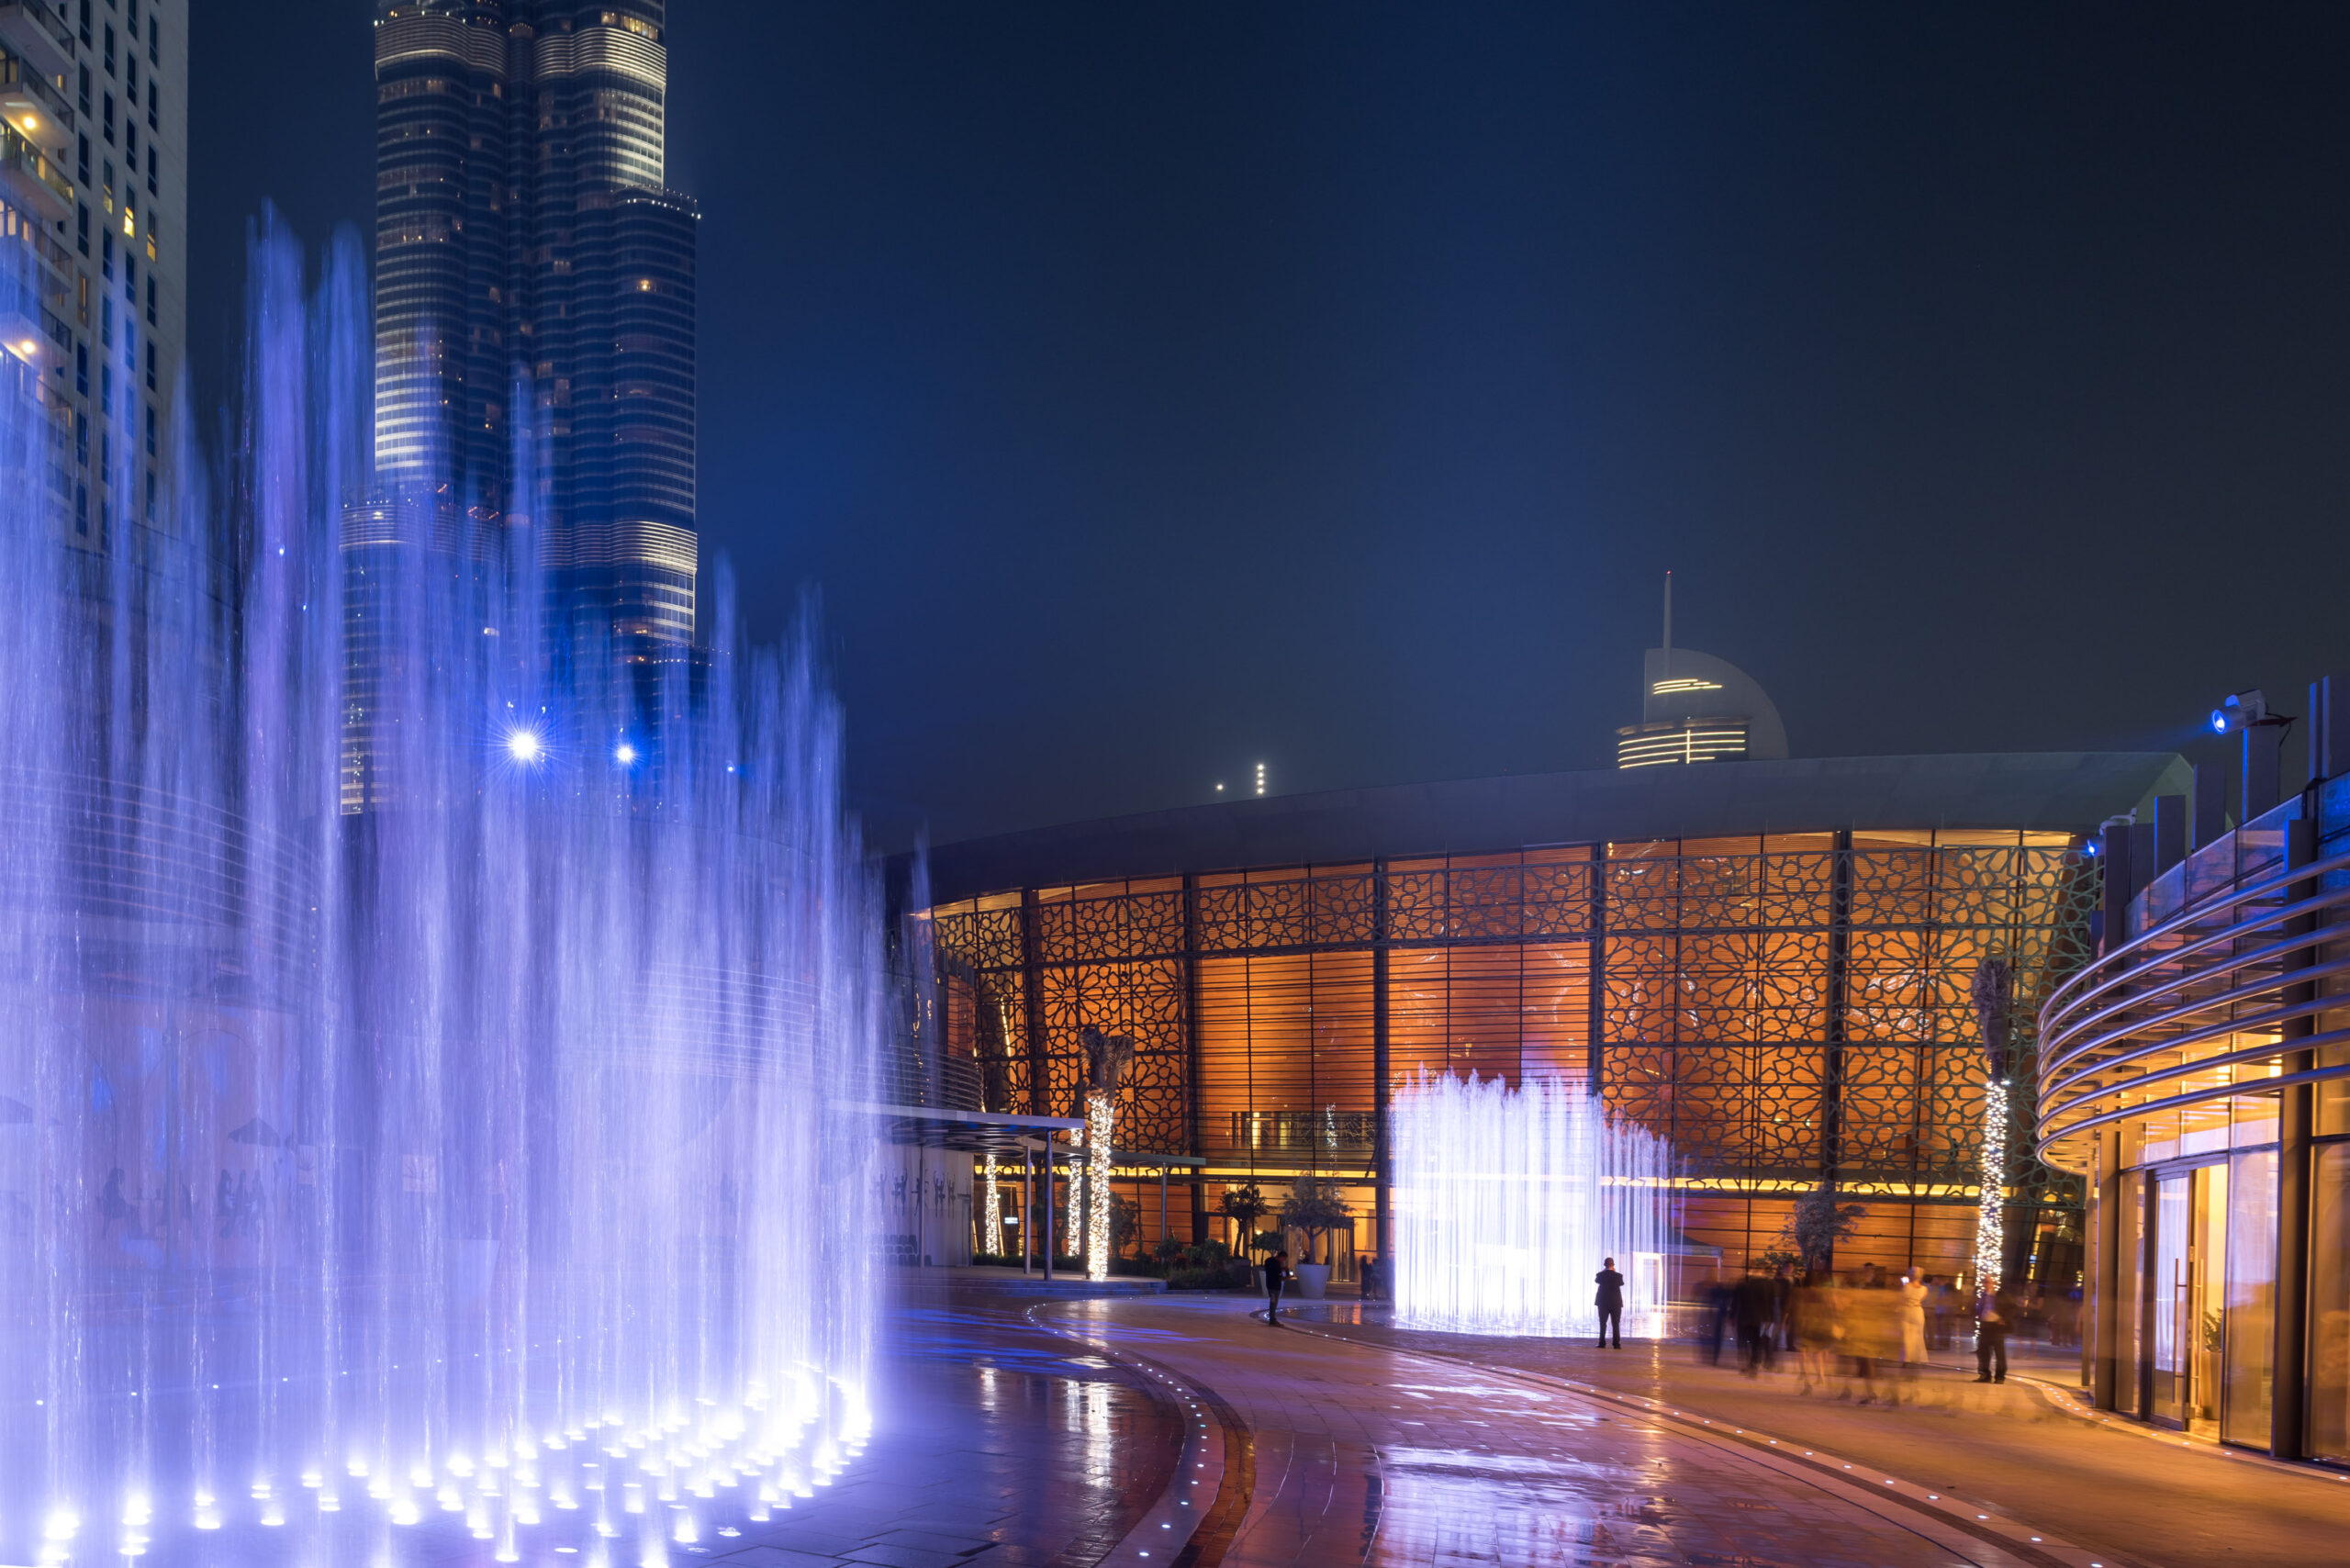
2196 1008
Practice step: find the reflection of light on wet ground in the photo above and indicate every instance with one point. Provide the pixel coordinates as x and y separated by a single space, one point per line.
1463 1459
1458 1506
1472 1388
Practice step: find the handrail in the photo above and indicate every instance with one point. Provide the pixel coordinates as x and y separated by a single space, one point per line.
2217 1091
2054 1059
2248 1026
2235 932
2057 999
2226 1059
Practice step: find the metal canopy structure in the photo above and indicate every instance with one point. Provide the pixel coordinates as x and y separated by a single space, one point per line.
965 1131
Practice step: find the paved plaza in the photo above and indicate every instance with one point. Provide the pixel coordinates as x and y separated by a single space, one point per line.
1142 1430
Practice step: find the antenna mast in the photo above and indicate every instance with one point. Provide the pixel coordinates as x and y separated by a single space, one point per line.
1668 624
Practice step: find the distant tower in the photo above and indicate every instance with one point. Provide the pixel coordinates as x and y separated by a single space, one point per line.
525 243
1696 708
534 305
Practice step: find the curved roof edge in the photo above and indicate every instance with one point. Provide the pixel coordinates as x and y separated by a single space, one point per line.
2047 791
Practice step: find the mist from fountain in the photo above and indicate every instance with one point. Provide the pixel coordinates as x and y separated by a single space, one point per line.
454 1180
1507 1200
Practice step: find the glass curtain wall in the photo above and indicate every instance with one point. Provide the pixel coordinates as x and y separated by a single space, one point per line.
2251 1328
2329 1406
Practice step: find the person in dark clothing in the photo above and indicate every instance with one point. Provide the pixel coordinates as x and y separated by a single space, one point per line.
1610 1302
1369 1278
1992 1328
1718 1297
1751 1309
1276 1276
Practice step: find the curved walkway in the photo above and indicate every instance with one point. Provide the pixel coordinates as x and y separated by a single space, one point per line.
1360 1453
2139 1494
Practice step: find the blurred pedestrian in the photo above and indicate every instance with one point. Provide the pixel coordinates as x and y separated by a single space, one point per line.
1782 1294
1610 1302
1913 1320
1813 1310
1872 1335
1750 1310
1719 1299
1276 1276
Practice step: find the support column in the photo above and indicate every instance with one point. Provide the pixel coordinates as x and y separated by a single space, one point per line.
2103 1341
1595 1031
1831 1066
1194 1133
1382 1176
2287 1431
1049 1208
1028 1211
1032 1005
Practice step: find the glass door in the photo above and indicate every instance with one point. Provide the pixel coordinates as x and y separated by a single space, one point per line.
2207 1252
2166 1361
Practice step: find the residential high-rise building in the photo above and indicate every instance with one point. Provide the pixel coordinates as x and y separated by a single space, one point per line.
535 298
94 217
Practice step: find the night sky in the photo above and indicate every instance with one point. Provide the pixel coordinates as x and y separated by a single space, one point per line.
1147 391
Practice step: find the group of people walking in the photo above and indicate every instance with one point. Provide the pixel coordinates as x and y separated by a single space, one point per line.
1860 1327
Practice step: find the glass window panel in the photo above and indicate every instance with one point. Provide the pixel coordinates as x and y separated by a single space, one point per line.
2168 1334
1556 1017
2329 1408
2129 1387
2251 1298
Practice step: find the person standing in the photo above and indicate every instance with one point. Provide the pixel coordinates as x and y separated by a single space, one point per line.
1276 1276
1610 1302
1996 1321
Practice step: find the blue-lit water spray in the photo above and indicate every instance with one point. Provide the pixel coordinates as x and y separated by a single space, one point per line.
1507 1200
458 1179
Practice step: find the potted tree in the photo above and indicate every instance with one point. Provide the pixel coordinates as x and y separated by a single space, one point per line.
1313 1210
1244 1207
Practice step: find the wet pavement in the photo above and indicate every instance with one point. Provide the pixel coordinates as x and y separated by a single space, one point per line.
2119 1488
995 1442
1184 1431
1361 1454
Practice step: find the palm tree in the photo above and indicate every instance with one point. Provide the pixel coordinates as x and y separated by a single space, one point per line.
1244 1207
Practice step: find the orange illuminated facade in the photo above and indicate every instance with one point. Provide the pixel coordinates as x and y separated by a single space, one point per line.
1785 1008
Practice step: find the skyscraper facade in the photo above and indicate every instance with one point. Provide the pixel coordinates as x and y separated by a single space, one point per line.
92 220
534 302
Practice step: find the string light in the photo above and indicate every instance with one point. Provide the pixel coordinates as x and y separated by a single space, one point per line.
1100 1112
1990 1228
992 1236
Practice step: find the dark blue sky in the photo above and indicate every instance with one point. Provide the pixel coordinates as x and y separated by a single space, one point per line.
1152 390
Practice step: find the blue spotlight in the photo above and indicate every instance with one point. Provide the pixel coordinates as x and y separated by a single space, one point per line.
524 745
625 755
2240 710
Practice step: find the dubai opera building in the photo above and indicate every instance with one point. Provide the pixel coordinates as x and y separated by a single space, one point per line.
1766 961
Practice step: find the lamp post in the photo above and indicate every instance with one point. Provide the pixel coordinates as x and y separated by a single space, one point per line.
1106 1057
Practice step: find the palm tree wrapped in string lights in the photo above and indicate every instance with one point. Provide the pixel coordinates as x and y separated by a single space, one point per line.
1994 996
1106 1057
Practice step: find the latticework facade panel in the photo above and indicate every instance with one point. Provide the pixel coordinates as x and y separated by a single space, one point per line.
1784 1010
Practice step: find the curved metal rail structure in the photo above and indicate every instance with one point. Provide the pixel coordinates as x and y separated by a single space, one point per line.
2206 1004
